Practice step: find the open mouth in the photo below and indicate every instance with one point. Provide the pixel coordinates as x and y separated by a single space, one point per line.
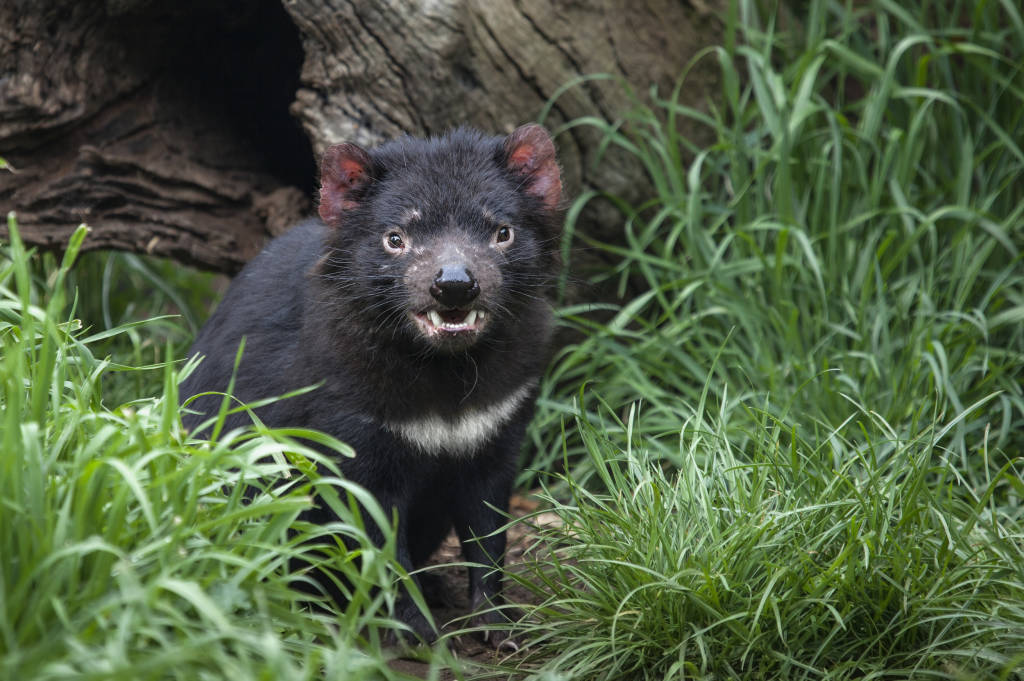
453 321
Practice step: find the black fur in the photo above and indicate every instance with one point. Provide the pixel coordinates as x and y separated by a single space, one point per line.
328 304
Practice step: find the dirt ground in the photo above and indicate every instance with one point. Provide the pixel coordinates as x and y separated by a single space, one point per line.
448 593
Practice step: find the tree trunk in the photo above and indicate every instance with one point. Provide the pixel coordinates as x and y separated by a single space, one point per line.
189 129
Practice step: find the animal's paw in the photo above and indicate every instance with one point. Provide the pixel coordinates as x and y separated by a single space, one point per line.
420 630
494 625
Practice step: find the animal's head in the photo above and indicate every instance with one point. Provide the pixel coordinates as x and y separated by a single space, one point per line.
442 241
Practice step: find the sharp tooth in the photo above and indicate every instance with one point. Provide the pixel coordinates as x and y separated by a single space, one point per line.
480 315
470 319
435 318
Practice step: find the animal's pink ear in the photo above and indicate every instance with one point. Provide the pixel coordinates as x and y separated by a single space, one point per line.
529 152
344 169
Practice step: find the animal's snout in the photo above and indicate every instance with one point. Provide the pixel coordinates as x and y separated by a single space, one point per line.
454 286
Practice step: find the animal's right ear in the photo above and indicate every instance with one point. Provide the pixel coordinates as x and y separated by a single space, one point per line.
344 170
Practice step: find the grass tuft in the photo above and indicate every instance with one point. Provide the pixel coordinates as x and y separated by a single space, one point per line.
132 550
793 448
773 564
854 236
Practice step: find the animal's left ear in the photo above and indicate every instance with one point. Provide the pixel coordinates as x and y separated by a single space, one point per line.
530 153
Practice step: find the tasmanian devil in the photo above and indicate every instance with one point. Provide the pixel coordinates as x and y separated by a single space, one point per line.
417 305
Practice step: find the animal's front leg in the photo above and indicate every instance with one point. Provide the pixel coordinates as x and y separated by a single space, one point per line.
406 610
477 522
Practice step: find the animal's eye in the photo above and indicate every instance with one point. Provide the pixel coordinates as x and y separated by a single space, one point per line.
394 242
503 235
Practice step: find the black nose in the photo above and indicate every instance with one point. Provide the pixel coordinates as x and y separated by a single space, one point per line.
454 286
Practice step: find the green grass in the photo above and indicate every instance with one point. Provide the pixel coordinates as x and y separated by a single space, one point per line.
868 247
157 305
793 450
117 289
131 551
772 564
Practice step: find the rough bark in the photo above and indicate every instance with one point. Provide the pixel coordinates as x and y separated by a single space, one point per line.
166 127
147 121
424 67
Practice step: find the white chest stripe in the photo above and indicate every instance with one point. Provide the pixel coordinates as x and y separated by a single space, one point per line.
462 435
